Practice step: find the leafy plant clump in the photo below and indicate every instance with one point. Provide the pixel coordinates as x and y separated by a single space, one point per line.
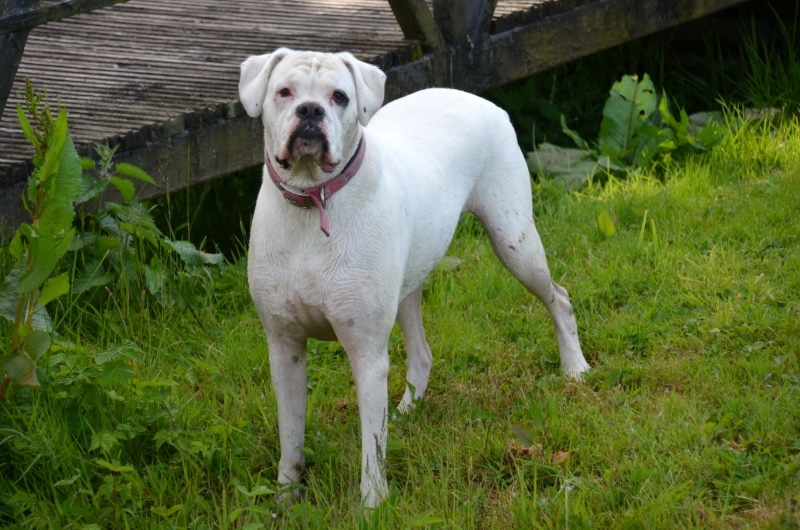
109 243
38 246
637 130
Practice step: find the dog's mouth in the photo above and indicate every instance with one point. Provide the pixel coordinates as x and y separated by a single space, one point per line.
307 140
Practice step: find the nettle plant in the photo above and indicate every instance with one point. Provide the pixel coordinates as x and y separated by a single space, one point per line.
109 248
637 131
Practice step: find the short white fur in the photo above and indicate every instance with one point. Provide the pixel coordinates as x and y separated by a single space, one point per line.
430 156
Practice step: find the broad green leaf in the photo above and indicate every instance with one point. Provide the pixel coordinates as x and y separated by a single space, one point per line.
193 257
15 247
257 491
21 369
135 219
125 187
127 349
58 211
116 468
570 168
104 440
9 298
52 159
46 250
134 172
235 515
87 164
37 343
709 137
630 105
93 275
605 223
524 436
69 176
580 142
27 130
54 287
90 188
154 275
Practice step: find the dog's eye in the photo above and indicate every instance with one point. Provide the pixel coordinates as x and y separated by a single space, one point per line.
340 98
284 93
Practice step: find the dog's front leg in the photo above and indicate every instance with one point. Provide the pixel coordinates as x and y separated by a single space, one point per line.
287 360
369 362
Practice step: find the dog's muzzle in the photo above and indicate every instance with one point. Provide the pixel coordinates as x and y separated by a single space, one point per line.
317 196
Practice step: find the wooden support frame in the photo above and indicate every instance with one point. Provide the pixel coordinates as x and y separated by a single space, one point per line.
458 51
478 63
16 22
12 45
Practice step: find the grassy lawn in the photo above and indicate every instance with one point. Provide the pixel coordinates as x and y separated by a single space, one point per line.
163 417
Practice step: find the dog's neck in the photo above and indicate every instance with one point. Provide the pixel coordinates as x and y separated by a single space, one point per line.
317 196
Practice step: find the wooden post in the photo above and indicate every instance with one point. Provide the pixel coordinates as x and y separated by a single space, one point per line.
417 23
11 47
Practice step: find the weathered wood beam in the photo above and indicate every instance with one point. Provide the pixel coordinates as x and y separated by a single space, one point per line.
451 17
531 49
417 22
462 21
12 45
26 19
479 18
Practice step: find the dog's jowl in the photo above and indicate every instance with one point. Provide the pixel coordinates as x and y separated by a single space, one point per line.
356 207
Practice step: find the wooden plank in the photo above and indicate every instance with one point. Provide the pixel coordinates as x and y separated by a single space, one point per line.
32 16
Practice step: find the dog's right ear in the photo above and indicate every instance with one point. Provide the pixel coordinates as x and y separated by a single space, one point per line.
253 80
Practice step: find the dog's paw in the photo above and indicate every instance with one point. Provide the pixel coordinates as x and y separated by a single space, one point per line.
576 370
288 495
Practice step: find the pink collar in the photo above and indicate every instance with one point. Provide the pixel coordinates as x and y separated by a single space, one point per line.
317 196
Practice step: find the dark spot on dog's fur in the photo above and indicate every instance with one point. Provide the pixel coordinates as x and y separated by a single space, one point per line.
350 323
512 247
295 359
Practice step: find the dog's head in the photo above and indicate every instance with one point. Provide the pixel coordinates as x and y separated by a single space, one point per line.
311 104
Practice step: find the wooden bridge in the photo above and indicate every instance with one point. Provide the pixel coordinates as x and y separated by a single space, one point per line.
158 78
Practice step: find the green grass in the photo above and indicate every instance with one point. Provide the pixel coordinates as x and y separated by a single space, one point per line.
688 315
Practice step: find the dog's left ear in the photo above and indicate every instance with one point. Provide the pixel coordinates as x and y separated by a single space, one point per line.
370 81
253 80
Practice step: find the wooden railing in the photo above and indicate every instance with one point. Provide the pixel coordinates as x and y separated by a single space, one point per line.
18 17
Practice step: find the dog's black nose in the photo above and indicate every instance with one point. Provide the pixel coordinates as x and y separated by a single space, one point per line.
310 111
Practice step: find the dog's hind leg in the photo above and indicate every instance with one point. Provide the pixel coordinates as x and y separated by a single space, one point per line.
520 250
409 317
505 212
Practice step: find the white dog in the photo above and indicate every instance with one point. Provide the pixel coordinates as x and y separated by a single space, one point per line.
382 192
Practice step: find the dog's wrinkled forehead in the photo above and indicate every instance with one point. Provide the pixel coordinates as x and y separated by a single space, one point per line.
325 71
311 71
